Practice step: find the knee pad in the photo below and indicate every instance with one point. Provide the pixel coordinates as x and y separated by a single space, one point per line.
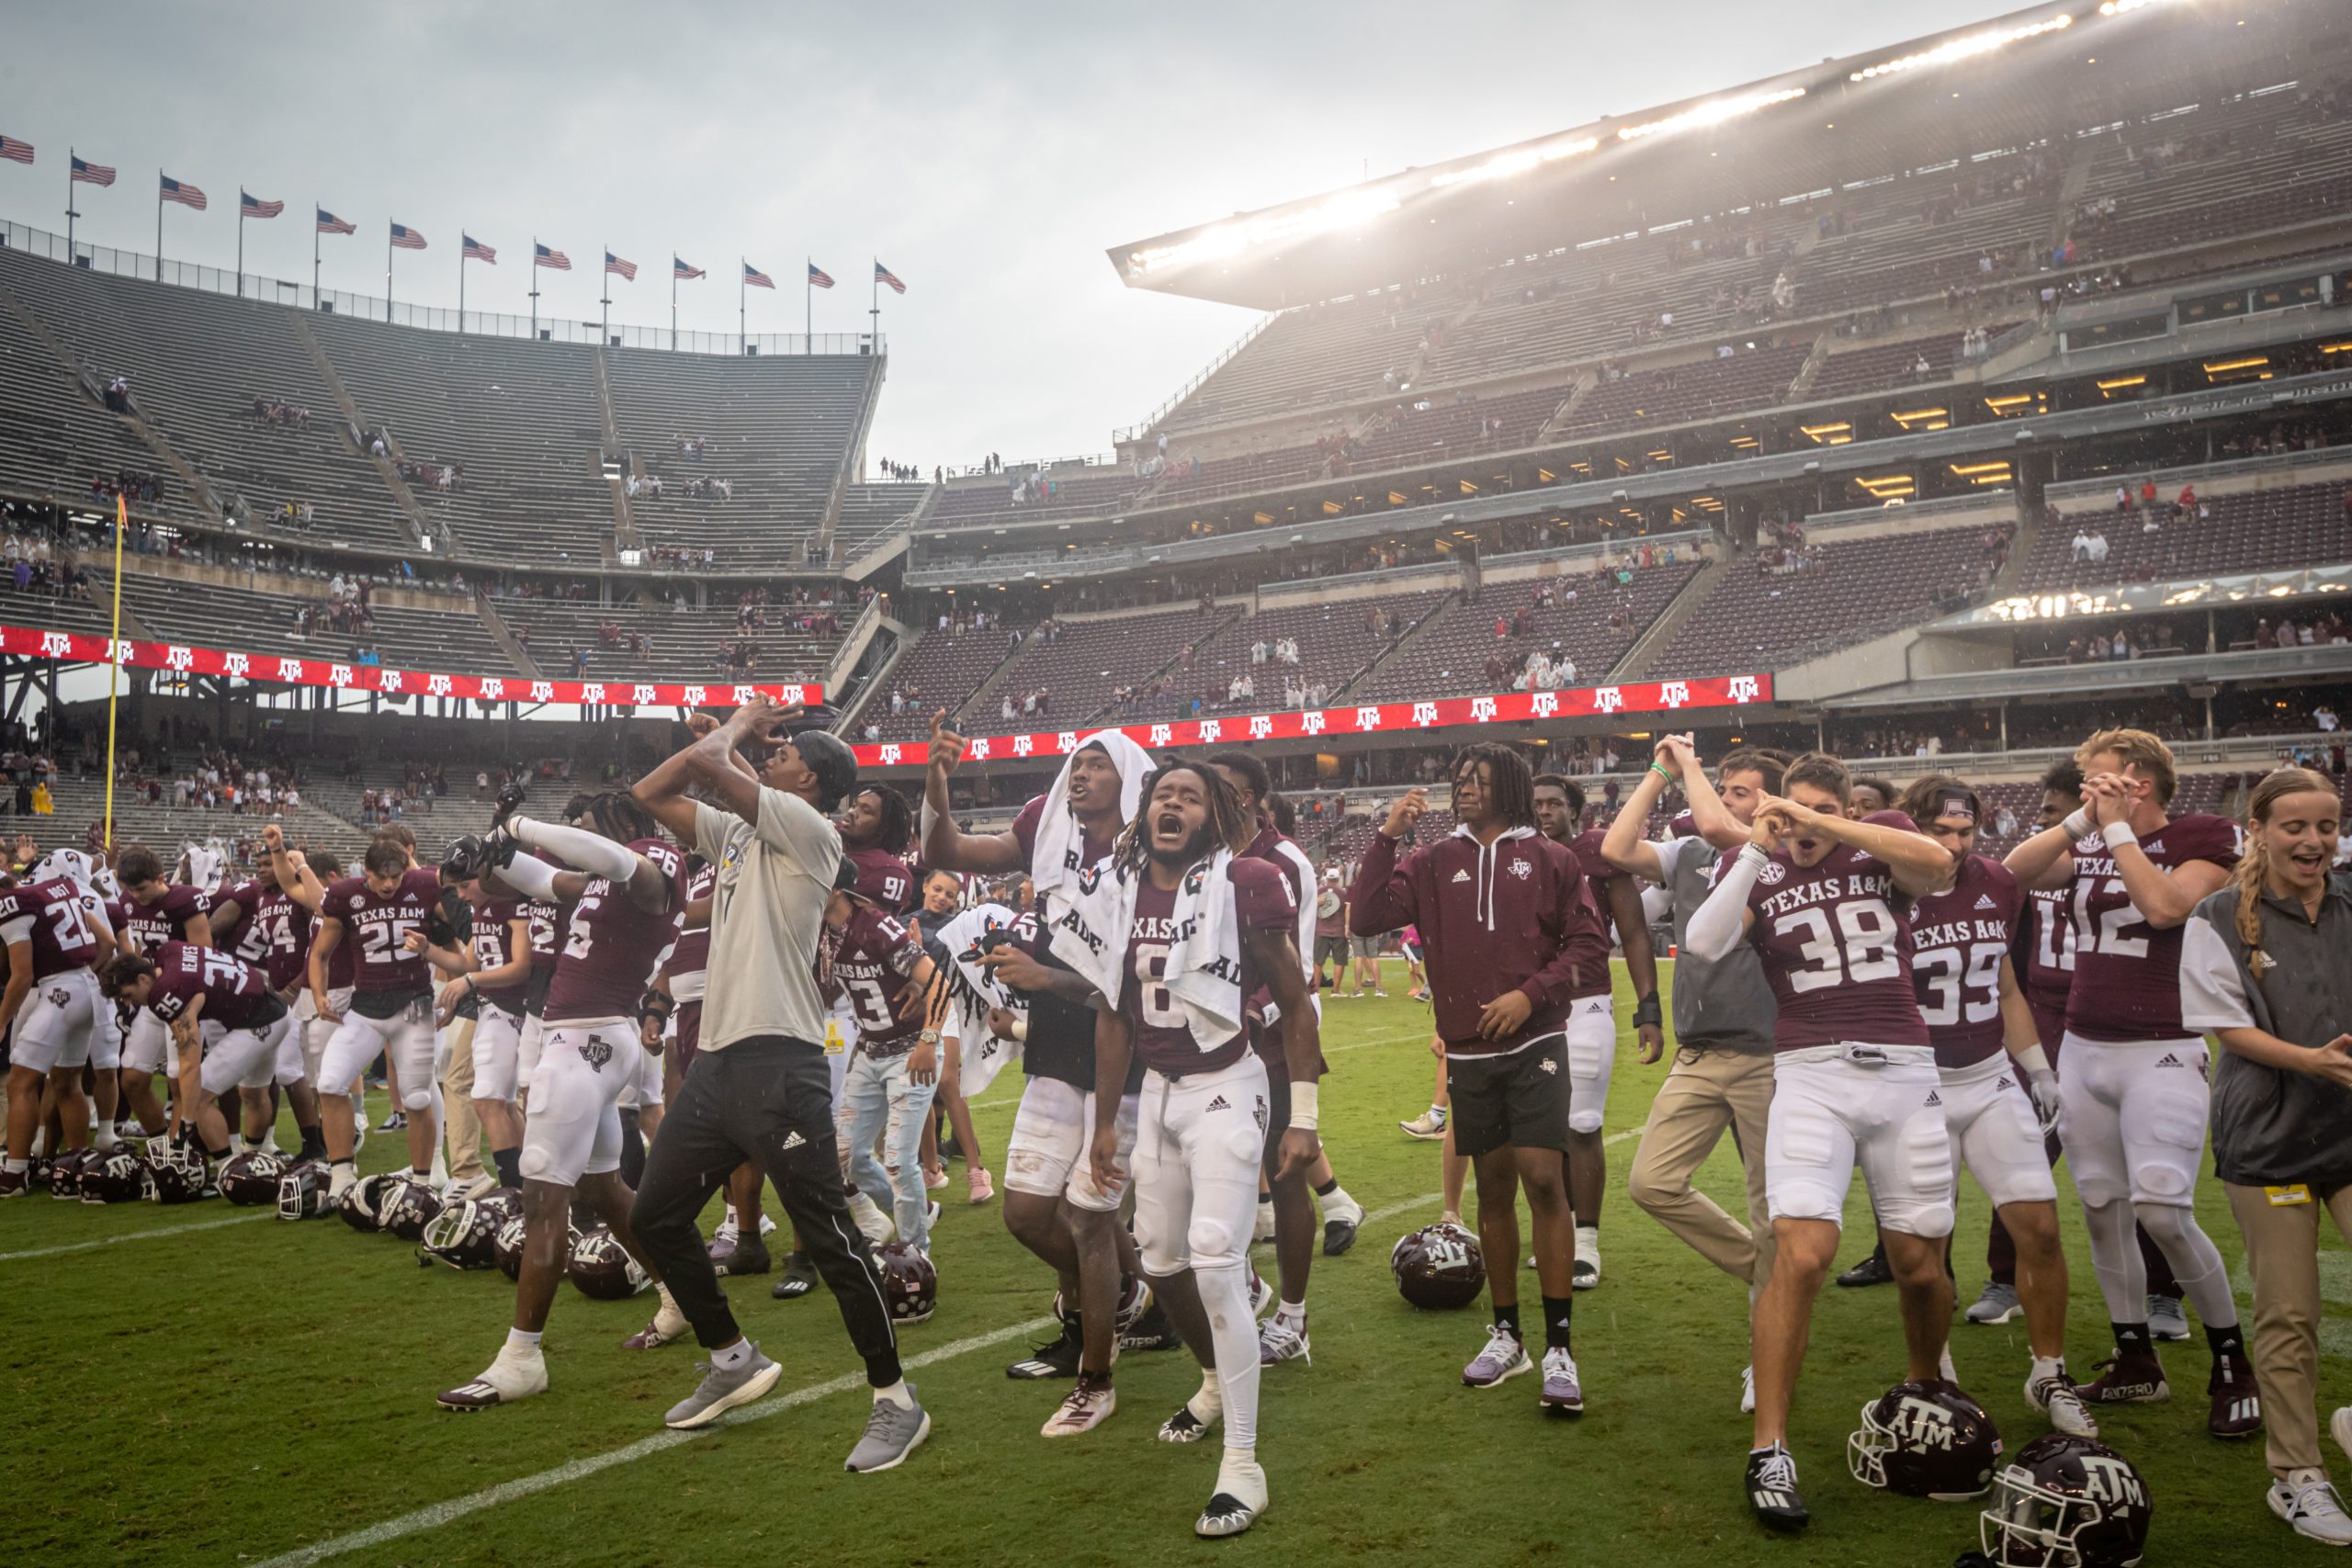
417 1099
2164 1221
1933 1221
534 1163
2161 1185
1585 1122
1805 1200
1213 1245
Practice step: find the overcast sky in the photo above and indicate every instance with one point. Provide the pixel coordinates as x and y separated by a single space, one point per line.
987 154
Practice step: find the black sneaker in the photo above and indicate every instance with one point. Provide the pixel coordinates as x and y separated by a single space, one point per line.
1870 1270
1152 1331
736 1254
799 1278
1058 1359
1772 1490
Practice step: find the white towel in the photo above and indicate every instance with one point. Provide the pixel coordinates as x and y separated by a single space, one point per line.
1059 857
976 990
1204 967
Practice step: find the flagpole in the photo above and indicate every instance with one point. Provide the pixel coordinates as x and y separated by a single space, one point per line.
159 225
314 255
535 288
241 241
462 281
743 317
674 302
114 662
604 320
874 345
808 311
388 272
70 213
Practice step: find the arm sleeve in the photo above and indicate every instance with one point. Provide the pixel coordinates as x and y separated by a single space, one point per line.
1383 895
796 830
576 847
1716 925
2213 991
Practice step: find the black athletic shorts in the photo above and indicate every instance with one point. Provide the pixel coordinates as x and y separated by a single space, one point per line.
1331 950
1521 1100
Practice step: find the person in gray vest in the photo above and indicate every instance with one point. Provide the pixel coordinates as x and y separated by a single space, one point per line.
1722 1076
2266 968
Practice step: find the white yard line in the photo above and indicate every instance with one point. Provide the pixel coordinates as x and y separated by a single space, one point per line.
129 1236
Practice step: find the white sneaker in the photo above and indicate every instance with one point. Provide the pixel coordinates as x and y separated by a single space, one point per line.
1262 1294
510 1377
1748 1391
1279 1339
1944 1367
767 1224
1088 1404
2307 1502
2339 1427
1504 1357
1587 1273
868 1217
1239 1498
2069 1412
1264 1229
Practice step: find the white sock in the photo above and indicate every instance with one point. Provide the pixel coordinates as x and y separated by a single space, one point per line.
16 1167
523 1342
103 1139
2046 1367
1294 1312
897 1394
732 1358
1208 1403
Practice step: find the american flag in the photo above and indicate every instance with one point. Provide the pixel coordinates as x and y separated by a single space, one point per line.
252 206
88 174
18 152
330 224
407 239
681 268
819 278
474 250
883 275
182 192
757 278
627 269
542 256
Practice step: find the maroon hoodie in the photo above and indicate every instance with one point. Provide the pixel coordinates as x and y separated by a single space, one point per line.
1507 916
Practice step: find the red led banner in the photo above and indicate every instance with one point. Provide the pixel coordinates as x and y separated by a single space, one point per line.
1507 707
352 677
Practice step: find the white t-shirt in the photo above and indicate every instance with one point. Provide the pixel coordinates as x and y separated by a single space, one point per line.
767 912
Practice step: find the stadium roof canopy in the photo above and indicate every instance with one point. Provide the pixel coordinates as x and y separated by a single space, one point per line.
2040 74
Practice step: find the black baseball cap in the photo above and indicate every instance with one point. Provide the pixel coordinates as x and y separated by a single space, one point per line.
826 756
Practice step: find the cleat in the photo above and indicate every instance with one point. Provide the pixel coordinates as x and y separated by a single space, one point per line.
459 1190
1772 1493
1239 1498
1429 1126
1748 1391
1056 1359
1134 1300
892 1432
1503 1357
1341 1215
1186 1428
2236 1404
982 1187
2310 1504
1087 1405
1870 1270
2128 1379
1562 1394
720 1391
1150 1331
2068 1411
1997 1304
2168 1319
668 1324
730 1254
396 1123
799 1278
16 1183
1281 1340
508 1378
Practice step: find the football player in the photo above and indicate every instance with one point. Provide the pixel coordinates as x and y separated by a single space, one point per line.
2134 1097
1822 896
625 912
382 913
1292 1198
262 922
90 875
1997 1083
1592 1015
54 931
501 986
1052 1203
891 1077
184 988
153 912
1507 928
1203 928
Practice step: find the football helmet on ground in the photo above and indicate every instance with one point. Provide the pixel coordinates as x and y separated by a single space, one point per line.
1925 1439
118 1176
176 1171
909 1281
603 1269
1439 1268
302 1190
251 1179
2066 1503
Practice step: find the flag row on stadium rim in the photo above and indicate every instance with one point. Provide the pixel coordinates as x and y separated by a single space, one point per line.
1370 718
182 659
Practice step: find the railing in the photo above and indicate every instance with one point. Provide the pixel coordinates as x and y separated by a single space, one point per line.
1013 466
1997 498
2102 487
1137 432
366 307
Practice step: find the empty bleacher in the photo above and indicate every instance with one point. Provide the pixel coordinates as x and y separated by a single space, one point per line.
1451 653
2265 530
1336 641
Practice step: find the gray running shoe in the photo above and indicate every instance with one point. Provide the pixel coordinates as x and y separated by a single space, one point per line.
2166 1319
892 1432
1504 1357
1997 1306
721 1392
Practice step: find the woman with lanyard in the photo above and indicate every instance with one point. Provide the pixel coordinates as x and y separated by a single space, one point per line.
2266 967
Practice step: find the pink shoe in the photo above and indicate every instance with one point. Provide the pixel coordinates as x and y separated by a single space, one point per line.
982 1187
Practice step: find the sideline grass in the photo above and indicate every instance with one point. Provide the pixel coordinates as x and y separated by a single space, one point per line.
221 1393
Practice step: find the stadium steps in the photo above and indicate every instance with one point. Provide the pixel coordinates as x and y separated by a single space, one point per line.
420 523
101 573
1802 382
1404 647
1587 380
502 634
853 458
975 704
1653 642
2070 193
144 429
616 470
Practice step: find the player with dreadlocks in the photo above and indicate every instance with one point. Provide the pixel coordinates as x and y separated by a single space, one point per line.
1507 930
1193 929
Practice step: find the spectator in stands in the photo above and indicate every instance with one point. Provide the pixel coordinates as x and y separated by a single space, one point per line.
2323 719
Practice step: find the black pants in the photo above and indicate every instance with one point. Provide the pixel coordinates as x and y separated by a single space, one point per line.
768 1099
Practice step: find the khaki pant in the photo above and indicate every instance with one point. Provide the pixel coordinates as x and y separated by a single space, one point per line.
1706 1092
460 1128
2282 1253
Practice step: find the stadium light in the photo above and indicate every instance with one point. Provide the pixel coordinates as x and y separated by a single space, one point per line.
2118 7
1963 48
1348 209
1710 114
1517 161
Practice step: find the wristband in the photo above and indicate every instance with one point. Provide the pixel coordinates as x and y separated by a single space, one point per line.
2033 1059
1646 1011
2118 834
1302 1105
1664 772
2078 824
1752 854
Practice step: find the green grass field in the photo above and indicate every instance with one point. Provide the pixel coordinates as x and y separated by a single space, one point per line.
203 1385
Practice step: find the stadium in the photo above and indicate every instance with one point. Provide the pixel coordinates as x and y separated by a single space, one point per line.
1936 406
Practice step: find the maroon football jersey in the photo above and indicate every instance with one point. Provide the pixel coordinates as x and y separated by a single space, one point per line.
613 947
237 995
874 960
1163 1038
274 931
882 879
1592 978
2044 954
2126 973
377 928
1837 946
493 948
146 927
1957 940
57 919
